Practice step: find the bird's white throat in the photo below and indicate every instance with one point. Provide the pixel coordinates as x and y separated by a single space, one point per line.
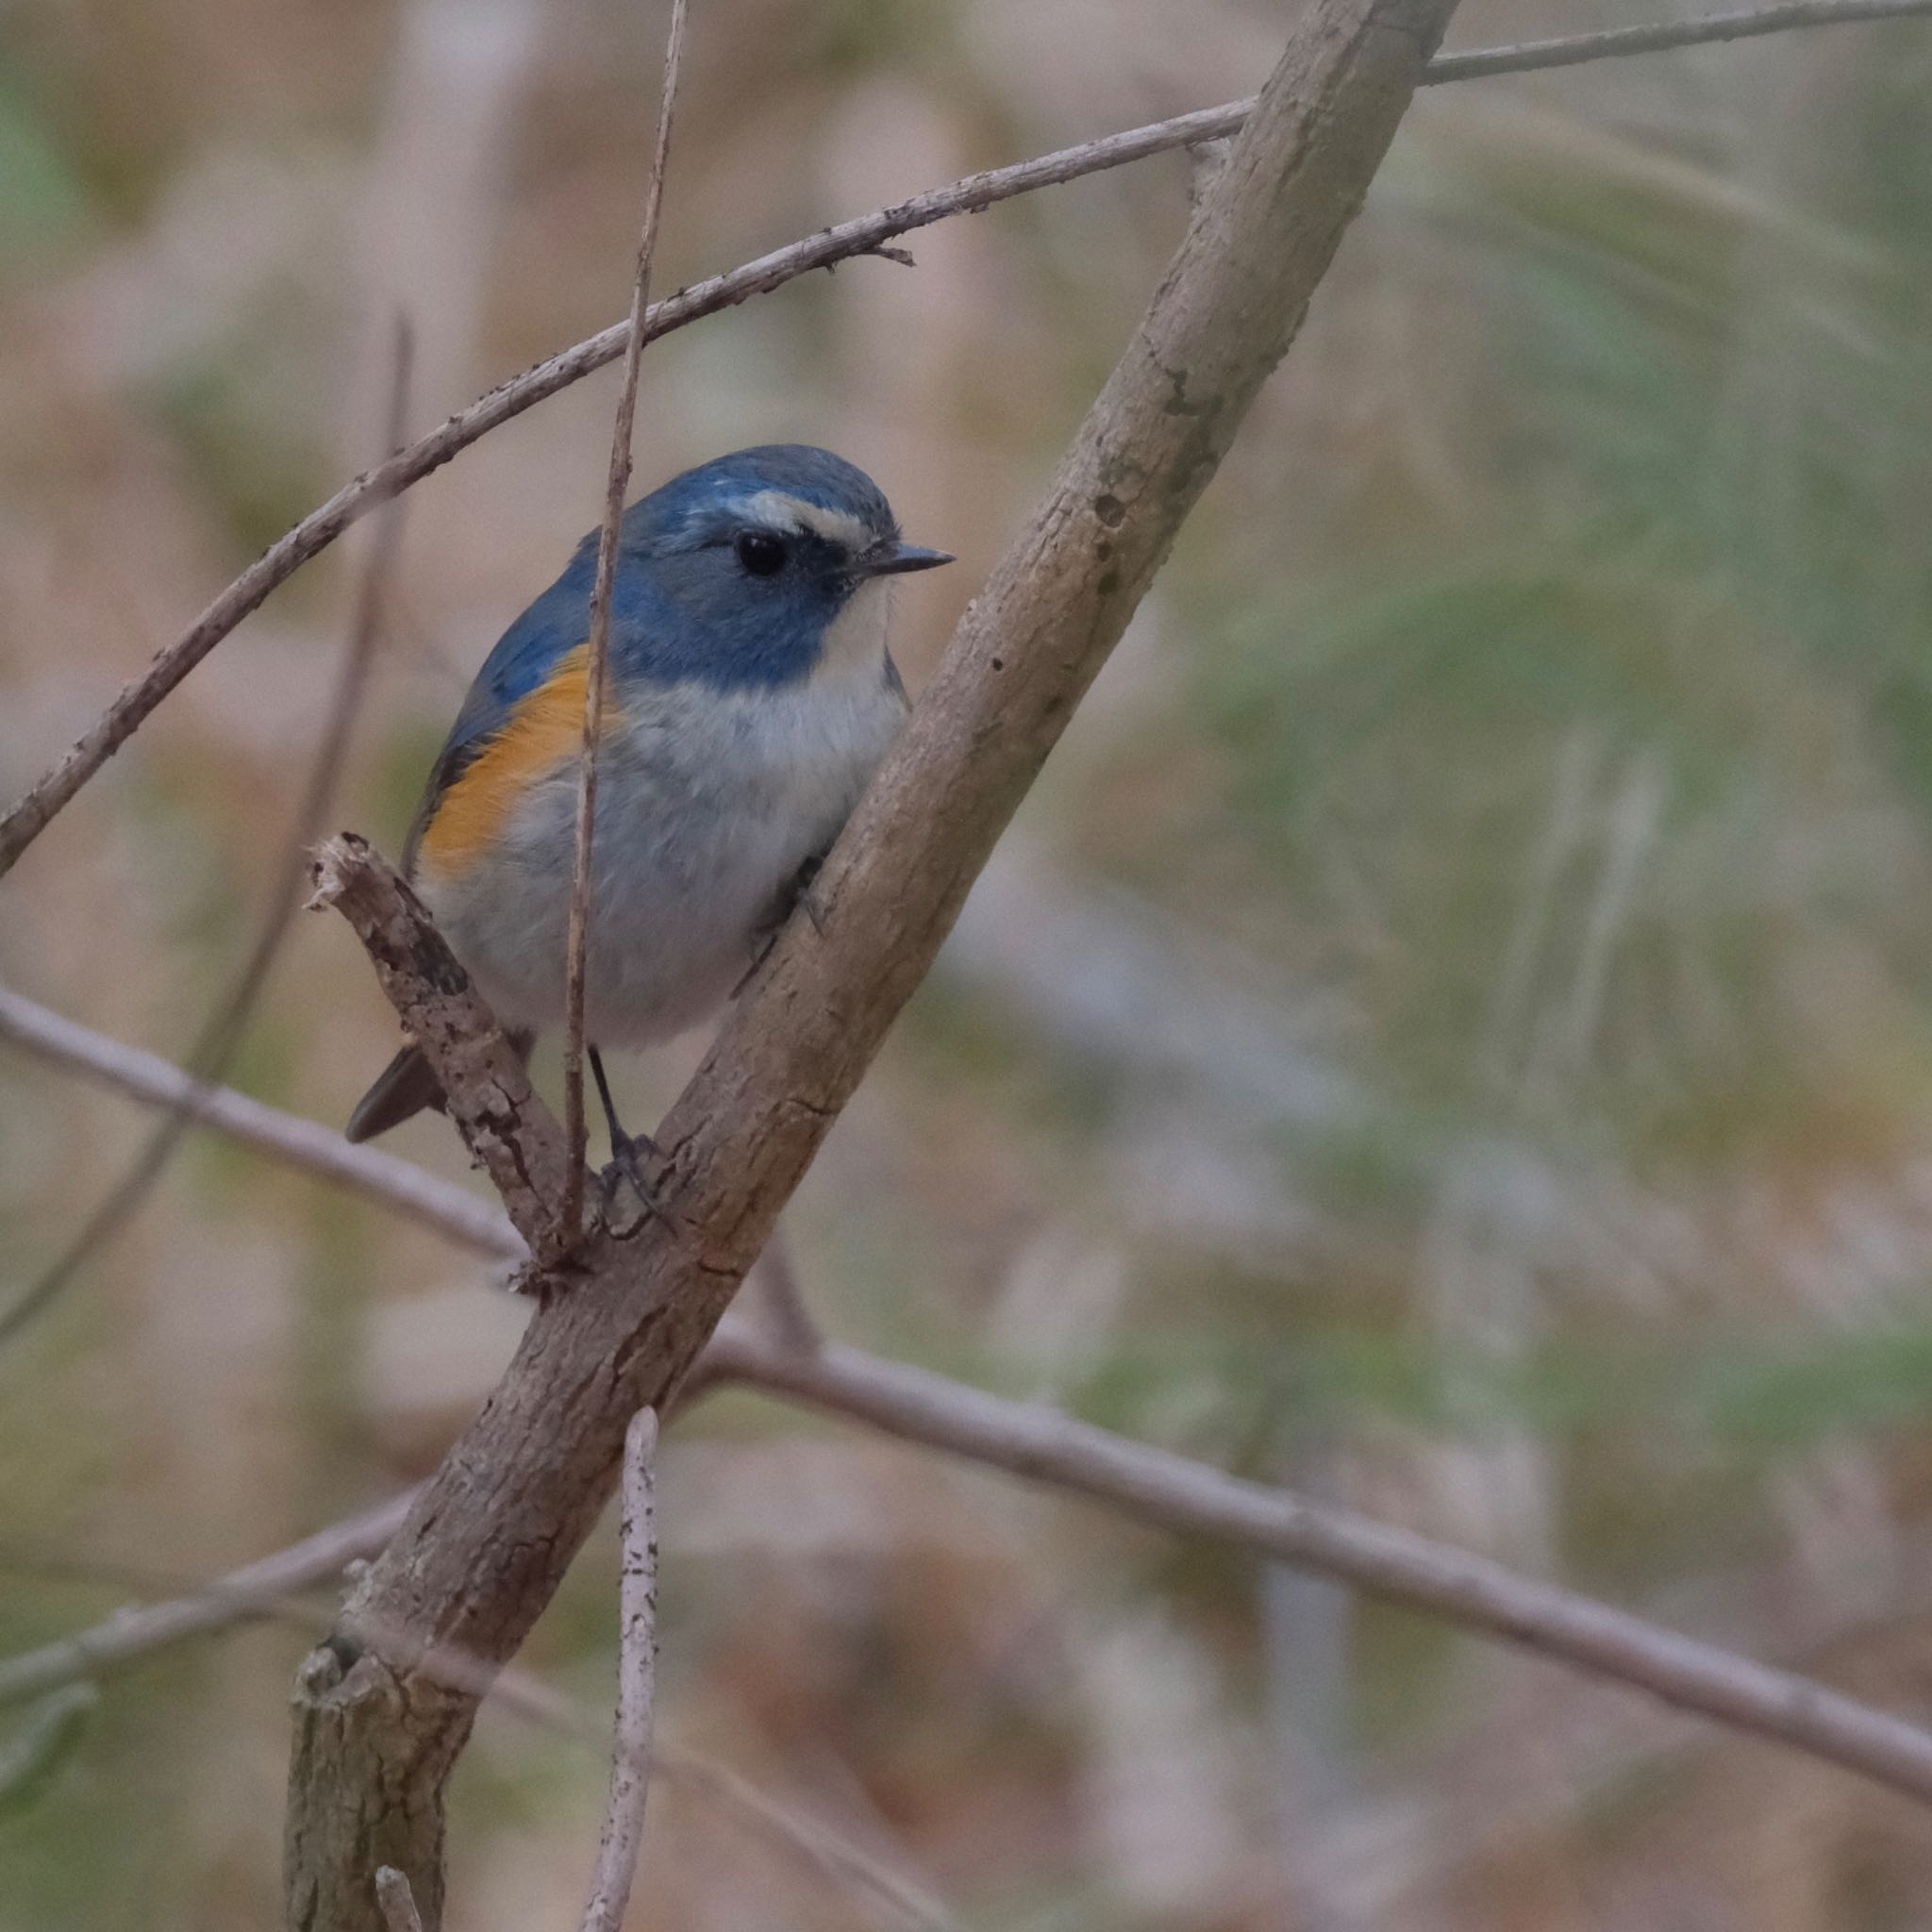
856 639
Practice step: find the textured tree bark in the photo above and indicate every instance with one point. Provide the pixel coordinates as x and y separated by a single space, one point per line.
505 1125
619 1324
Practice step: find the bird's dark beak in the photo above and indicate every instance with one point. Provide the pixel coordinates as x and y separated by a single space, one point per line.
895 560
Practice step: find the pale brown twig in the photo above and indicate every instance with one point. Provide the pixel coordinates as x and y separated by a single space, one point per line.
637 1677
1045 1445
783 1294
257 1589
220 1036
307 1145
1662 37
865 236
598 647
831 1856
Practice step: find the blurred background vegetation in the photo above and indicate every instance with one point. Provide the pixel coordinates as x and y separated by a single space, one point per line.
1449 1032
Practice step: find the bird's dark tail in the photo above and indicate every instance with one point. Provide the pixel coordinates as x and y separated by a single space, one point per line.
404 1088
406 1085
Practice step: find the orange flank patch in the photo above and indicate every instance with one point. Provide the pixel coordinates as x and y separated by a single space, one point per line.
544 731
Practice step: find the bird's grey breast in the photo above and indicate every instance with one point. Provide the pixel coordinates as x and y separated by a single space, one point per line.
710 802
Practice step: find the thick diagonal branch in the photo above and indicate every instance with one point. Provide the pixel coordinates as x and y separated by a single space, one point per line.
498 1524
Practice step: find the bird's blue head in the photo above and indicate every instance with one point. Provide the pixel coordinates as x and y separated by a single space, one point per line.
758 568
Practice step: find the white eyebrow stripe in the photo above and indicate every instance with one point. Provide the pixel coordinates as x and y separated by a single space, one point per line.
777 511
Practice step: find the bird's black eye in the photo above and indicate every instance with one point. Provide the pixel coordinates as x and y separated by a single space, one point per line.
761 553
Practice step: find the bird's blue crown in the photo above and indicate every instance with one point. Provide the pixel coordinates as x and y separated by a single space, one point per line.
786 487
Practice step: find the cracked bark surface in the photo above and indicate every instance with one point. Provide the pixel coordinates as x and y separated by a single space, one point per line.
622 1321
488 1087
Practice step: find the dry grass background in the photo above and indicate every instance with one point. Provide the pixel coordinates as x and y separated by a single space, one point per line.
1450 1031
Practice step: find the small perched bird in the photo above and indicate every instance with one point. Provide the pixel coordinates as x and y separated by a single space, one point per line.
751 698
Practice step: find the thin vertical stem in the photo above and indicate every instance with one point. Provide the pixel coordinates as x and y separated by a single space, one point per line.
637 1673
598 647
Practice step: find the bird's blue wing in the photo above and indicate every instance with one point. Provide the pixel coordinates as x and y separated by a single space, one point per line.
522 660
643 627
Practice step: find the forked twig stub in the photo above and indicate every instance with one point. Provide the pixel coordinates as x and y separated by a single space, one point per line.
398 1903
598 645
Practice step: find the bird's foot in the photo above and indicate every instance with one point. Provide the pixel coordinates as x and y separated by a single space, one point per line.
626 1165
805 898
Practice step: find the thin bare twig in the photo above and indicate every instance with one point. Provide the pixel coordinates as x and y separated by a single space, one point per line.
272 1587
398 1903
221 1035
908 1402
637 1678
865 236
598 647
1663 37
1045 1445
825 1851
256 1590
783 1294
307 1145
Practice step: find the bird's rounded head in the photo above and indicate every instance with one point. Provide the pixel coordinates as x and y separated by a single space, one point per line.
761 553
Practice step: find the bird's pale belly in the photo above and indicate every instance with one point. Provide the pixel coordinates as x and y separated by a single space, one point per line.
706 810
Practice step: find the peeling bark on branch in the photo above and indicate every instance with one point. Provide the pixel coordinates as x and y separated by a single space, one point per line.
491 1534
505 1124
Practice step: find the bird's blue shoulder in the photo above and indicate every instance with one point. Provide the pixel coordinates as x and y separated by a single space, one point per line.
526 656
